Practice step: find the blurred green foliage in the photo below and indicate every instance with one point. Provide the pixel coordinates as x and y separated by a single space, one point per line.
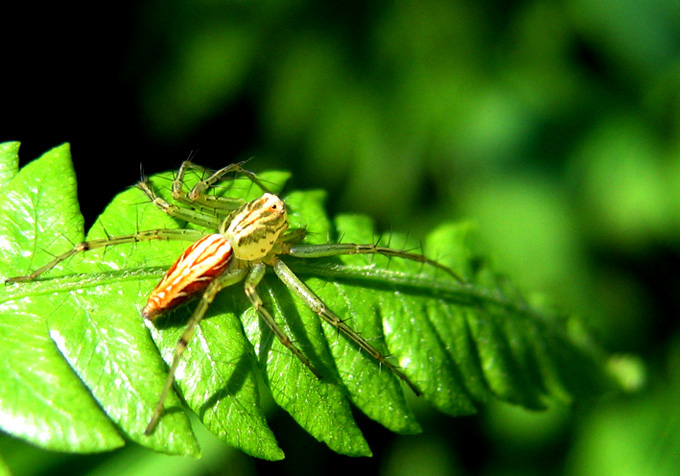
554 125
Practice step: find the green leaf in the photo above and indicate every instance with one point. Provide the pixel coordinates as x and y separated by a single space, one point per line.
461 343
41 399
4 470
9 162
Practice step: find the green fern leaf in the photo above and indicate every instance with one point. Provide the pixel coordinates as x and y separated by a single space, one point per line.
461 343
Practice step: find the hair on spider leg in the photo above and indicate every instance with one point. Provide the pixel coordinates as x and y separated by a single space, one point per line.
66 237
146 180
271 183
304 232
104 249
192 155
420 247
142 176
386 356
71 242
340 238
422 252
407 239
286 353
297 235
439 258
233 185
390 234
376 243
106 232
143 201
378 338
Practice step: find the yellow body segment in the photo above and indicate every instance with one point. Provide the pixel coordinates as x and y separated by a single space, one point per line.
254 228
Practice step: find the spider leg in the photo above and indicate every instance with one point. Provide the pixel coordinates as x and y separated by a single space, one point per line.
253 279
227 279
196 217
316 305
205 184
178 183
200 199
335 249
293 235
197 196
146 235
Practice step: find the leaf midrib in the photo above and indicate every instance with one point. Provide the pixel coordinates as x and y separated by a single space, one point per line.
379 278
425 285
78 281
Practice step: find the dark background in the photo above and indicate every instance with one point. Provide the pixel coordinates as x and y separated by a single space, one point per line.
552 125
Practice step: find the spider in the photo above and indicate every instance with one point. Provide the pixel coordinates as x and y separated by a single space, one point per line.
250 237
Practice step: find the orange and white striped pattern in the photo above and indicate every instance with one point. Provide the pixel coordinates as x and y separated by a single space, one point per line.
197 267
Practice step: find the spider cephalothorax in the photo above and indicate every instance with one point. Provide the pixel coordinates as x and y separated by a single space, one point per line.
254 229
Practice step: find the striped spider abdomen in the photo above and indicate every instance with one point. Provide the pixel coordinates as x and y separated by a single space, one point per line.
193 271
